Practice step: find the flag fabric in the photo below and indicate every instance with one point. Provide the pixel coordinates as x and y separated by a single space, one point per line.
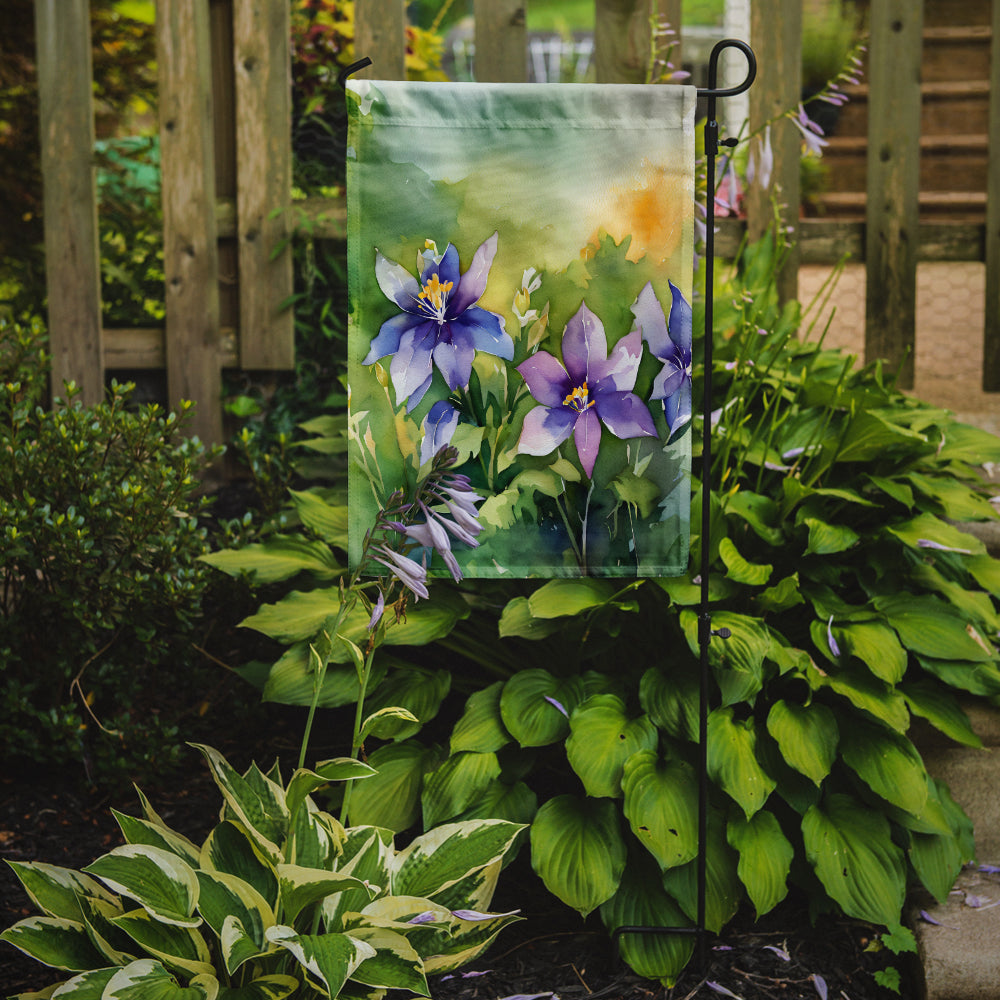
520 262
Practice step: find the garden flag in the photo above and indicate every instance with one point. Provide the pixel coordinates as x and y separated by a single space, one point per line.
520 269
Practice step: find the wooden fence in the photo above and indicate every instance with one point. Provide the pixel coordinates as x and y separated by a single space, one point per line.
226 162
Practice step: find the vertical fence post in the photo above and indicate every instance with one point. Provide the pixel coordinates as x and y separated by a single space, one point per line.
72 257
621 40
776 33
380 34
893 183
262 62
991 332
501 41
190 251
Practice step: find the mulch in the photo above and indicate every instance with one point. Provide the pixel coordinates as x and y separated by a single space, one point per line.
552 952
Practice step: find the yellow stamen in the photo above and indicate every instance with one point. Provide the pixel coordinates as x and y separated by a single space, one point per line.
434 291
578 399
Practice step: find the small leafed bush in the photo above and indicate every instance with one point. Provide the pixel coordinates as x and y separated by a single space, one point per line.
280 899
99 574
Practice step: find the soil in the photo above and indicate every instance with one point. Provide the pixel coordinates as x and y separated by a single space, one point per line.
551 952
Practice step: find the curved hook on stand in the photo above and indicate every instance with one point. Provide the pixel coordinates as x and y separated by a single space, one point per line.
348 70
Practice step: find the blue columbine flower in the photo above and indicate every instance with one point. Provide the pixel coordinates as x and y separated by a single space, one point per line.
438 428
671 343
593 388
440 325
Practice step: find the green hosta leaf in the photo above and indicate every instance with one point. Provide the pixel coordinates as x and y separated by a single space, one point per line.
260 809
327 520
578 851
876 646
291 680
142 831
931 628
986 572
54 941
231 850
941 709
274 987
98 915
391 798
807 736
386 723
937 859
147 979
304 782
602 738
56 891
661 798
641 901
783 595
239 944
671 699
683 591
418 690
928 528
738 661
301 887
516 803
330 959
456 784
865 692
366 855
180 948
732 760
530 706
226 898
741 571
870 436
481 728
765 858
165 886
828 539
976 678
279 558
562 597
441 857
760 512
965 443
957 501
517 620
850 847
888 763
975 605
395 964
723 889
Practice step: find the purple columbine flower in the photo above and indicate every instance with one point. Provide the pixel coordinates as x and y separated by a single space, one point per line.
670 341
593 388
438 427
440 323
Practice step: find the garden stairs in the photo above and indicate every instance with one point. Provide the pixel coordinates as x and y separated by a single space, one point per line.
955 86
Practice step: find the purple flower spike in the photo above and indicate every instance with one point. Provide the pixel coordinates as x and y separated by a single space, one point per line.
440 324
377 612
670 341
831 642
438 427
410 573
594 387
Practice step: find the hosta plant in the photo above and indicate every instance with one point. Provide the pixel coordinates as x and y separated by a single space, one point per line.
279 900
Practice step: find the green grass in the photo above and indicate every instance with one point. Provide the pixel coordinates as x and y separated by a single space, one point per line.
578 15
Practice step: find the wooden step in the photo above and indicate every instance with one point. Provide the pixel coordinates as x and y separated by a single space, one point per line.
947 106
956 53
940 13
947 162
957 206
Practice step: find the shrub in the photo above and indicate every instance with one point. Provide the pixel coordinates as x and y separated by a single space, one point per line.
854 604
280 899
99 539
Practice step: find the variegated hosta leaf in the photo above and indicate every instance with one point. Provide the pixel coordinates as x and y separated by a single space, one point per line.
315 838
273 987
578 851
441 857
329 959
602 737
395 964
456 784
661 799
230 849
807 736
732 760
642 902
56 891
850 847
116 947
888 763
468 939
535 706
141 831
301 887
147 979
225 897
765 858
158 880
54 941
417 690
367 853
476 890
304 782
256 801
723 889
481 727
177 947
391 799
86 986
